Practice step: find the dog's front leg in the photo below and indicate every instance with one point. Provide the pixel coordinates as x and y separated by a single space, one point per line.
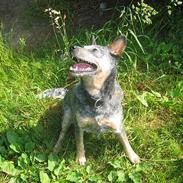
65 125
80 152
134 158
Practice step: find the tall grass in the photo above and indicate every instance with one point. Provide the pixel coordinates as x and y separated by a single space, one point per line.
153 111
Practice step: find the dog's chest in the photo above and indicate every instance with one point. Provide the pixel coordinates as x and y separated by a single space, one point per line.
99 123
97 115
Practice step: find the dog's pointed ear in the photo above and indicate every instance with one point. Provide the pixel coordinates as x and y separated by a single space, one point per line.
94 40
118 46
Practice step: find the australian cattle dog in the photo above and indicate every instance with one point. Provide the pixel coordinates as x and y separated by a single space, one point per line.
94 104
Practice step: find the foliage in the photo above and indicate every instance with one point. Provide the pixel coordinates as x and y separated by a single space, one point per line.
144 12
151 76
59 25
173 5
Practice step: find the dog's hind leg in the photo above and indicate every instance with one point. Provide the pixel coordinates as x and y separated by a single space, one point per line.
65 125
134 158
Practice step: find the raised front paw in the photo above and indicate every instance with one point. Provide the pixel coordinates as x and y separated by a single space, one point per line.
81 160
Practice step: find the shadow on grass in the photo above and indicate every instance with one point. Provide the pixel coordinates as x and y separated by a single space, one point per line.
95 144
41 138
38 142
176 171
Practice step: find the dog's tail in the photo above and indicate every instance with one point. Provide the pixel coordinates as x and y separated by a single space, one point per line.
55 93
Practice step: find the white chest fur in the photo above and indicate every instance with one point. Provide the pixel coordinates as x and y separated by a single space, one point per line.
100 123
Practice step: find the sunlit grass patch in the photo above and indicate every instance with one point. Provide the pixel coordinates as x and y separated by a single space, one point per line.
152 107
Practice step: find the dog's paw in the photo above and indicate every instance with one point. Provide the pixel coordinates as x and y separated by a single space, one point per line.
134 158
81 160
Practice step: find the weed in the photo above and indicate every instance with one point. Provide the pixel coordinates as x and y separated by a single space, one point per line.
58 22
150 75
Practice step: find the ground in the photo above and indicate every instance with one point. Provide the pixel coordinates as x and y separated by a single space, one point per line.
150 74
12 15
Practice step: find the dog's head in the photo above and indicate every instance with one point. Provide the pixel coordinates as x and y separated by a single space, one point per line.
95 59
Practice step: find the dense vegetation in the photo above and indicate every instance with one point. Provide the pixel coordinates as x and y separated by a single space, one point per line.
150 73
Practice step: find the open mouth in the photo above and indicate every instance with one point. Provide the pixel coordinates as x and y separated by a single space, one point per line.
83 67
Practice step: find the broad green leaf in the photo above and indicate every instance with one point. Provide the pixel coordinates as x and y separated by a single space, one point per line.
9 168
141 167
1 160
44 177
40 157
88 169
13 180
3 150
12 137
60 168
121 176
135 177
112 176
52 161
115 164
15 141
23 177
16 147
29 146
95 178
74 177
23 160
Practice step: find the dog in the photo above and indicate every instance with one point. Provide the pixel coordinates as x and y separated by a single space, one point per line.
94 104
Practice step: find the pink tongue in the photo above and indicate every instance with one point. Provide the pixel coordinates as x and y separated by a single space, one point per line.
82 67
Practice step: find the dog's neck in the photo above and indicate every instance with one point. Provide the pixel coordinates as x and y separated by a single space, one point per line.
100 86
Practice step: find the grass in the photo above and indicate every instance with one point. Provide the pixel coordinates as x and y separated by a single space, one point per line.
153 116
